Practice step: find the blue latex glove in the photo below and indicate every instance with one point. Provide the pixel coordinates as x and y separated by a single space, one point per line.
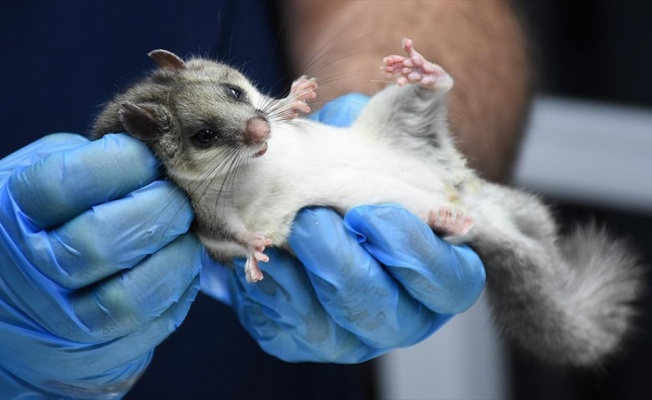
96 268
359 286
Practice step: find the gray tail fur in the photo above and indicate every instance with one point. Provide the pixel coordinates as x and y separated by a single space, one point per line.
566 299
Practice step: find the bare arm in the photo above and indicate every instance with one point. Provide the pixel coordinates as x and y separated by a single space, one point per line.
479 42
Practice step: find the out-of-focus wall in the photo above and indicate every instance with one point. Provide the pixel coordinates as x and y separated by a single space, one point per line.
575 152
589 151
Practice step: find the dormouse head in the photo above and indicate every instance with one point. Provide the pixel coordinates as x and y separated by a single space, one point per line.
192 112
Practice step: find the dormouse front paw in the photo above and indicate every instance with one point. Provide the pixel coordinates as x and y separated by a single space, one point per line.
302 89
255 243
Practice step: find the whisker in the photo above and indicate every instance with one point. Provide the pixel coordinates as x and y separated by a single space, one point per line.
274 46
204 180
325 50
227 186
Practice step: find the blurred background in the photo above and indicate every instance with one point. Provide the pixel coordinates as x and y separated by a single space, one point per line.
588 151
598 54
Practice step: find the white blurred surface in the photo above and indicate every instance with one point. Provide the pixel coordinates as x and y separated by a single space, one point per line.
592 153
589 153
463 360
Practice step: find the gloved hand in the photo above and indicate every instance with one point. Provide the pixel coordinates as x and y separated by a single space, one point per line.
359 286
96 266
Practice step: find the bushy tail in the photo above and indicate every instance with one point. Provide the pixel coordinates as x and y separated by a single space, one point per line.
607 282
569 300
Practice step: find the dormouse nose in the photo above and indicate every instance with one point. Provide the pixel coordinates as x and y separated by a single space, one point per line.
257 130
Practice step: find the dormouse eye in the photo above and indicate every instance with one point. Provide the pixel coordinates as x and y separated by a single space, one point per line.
204 138
235 92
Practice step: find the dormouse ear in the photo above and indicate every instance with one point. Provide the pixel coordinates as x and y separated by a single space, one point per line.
143 121
167 60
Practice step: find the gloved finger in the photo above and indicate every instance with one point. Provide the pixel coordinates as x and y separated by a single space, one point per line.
115 235
123 303
215 279
38 150
342 111
149 334
102 361
109 384
447 279
64 184
283 314
353 287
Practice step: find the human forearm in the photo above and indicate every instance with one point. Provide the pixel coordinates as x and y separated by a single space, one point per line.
479 43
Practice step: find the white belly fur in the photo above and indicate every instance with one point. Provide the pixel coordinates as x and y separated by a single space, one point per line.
310 164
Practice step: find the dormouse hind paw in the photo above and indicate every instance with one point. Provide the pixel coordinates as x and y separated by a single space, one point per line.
454 225
416 69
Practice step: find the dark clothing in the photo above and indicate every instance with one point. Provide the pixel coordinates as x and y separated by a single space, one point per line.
61 60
